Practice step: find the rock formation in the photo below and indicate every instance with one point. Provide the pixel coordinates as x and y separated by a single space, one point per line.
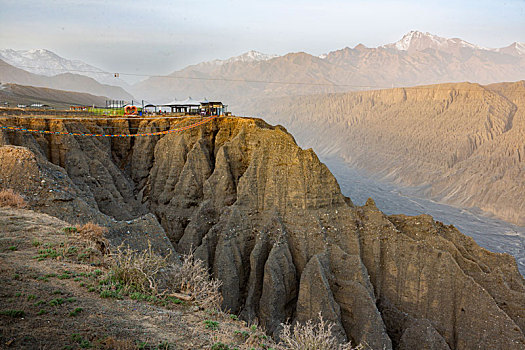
463 144
269 220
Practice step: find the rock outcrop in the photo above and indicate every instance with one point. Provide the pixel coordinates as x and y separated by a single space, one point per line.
269 220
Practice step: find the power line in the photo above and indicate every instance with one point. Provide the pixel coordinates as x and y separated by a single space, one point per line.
245 80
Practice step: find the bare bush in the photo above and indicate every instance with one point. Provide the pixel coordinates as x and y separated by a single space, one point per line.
149 273
95 234
11 199
137 271
311 336
192 278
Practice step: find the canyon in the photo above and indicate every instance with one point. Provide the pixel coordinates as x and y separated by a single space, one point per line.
270 221
458 143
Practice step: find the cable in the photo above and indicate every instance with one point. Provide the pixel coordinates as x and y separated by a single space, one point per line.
248 80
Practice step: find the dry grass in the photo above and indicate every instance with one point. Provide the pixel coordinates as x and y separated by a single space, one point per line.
311 336
192 278
138 271
117 344
149 273
11 199
95 234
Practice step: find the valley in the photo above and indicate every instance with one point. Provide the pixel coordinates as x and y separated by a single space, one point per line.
460 144
489 232
364 197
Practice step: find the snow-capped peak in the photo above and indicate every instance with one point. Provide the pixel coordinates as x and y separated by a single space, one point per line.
250 56
45 62
418 41
514 49
519 47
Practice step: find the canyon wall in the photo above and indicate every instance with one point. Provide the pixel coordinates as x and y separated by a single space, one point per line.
269 220
462 144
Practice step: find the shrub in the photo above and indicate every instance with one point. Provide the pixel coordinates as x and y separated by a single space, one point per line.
11 199
137 271
310 336
151 274
220 346
93 233
193 278
76 311
213 325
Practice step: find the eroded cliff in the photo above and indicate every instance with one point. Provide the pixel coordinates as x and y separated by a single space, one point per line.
270 221
462 143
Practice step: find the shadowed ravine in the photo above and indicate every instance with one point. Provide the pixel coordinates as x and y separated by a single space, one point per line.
270 221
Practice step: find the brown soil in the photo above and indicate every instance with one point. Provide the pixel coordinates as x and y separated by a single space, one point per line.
102 323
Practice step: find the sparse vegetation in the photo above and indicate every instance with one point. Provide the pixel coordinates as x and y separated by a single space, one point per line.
56 302
76 311
13 313
213 325
220 346
82 343
311 336
93 233
192 278
174 286
106 293
11 199
137 271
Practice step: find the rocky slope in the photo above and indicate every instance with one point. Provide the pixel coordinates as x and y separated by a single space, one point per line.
463 144
270 221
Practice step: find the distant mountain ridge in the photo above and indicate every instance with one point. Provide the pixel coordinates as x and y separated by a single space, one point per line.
64 81
417 58
419 41
250 56
48 63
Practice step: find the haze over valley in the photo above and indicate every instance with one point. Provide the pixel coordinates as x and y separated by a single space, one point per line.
220 175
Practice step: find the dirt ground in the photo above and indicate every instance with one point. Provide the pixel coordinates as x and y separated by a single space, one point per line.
54 302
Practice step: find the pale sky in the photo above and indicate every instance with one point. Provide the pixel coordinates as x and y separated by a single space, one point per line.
158 37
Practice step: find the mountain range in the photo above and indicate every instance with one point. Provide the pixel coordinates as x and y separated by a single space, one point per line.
417 58
64 81
48 63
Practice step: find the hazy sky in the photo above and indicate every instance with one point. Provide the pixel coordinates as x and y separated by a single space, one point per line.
157 37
